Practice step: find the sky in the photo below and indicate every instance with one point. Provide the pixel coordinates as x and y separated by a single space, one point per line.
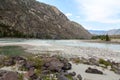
92 14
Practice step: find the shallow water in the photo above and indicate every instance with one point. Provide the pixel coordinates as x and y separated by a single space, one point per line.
75 43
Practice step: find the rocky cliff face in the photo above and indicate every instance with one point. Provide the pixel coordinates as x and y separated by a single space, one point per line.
29 18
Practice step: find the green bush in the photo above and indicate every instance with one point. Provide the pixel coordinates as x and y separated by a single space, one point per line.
20 77
107 38
38 62
77 60
69 77
106 63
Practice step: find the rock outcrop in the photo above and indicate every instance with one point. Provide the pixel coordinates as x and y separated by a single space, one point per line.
32 19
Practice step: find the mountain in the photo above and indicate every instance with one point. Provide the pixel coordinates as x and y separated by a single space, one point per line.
97 32
114 32
103 32
29 18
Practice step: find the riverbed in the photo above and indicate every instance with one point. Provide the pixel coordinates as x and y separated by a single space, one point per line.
73 48
68 48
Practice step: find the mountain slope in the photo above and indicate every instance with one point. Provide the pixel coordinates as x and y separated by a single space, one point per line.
114 32
97 32
29 18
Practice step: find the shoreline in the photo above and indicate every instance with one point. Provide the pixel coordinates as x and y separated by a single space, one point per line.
55 63
36 46
114 41
70 51
76 52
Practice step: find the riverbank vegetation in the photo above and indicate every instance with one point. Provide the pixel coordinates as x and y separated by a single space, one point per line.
102 37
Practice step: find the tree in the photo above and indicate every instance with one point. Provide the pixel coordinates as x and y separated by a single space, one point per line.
107 38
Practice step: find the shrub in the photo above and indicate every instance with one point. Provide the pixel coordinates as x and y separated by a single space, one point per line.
20 77
76 60
107 38
102 37
69 77
106 63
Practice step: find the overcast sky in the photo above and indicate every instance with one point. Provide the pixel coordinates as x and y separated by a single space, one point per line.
92 14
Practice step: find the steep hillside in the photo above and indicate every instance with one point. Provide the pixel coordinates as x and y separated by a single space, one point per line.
29 18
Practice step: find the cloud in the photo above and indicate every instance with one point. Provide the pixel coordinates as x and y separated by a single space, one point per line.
68 14
78 17
103 11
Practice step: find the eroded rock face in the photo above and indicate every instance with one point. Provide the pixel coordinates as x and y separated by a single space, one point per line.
29 18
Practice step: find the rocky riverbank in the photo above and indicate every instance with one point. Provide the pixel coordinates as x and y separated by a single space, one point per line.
68 50
46 67
86 63
35 68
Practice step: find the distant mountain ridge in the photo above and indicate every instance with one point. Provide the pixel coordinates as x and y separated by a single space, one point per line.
114 32
97 32
103 32
32 19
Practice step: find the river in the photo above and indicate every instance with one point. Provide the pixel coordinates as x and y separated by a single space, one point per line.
74 43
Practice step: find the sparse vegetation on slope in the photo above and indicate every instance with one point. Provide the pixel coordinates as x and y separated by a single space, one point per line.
32 19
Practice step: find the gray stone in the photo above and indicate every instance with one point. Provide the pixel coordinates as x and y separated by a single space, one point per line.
10 76
94 71
67 66
79 77
53 64
62 77
72 73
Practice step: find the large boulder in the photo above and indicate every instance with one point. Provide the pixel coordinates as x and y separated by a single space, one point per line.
67 66
93 61
53 64
72 73
94 71
8 75
116 67
2 72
